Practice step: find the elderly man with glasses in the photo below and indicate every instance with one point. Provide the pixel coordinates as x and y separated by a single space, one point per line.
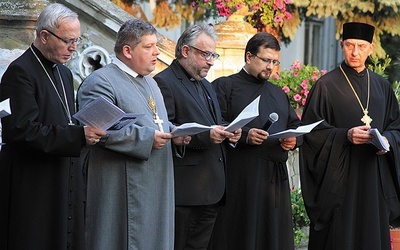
257 213
41 183
200 175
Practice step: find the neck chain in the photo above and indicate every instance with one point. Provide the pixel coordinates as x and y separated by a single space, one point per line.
366 119
151 104
65 105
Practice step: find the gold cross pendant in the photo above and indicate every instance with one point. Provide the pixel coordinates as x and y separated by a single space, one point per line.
366 119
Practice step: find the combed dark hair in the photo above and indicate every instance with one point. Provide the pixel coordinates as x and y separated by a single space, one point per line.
131 33
52 16
264 40
190 35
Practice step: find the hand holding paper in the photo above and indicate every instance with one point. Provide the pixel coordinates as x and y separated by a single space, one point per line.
378 140
248 114
301 130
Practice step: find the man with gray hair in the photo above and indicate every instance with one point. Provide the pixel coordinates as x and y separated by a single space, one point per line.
130 182
41 184
200 175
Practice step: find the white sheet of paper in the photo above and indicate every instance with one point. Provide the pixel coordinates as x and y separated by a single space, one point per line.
301 130
378 140
190 128
247 115
5 109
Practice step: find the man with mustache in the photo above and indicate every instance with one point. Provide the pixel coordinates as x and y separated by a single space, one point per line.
257 214
200 175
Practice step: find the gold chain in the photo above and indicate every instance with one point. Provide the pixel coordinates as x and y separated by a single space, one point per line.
365 119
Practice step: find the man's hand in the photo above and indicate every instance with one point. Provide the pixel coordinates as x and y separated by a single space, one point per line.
93 135
182 140
256 136
161 138
288 143
359 135
218 135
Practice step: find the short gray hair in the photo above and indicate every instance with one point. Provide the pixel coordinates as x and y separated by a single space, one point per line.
52 17
190 35
131 33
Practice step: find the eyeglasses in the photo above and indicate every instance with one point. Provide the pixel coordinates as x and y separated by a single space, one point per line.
268 61
207 55
67 42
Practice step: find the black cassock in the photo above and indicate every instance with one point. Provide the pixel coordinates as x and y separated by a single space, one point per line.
41 186
257 213
350 192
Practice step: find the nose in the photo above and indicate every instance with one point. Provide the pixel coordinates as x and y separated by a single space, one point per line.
211 61
355 50
72 46
157 51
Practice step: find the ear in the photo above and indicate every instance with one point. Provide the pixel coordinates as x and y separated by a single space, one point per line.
185 51
44 36
248 56
371 49
341 44
127 51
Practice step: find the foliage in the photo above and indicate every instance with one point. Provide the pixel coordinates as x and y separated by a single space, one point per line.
285 15
383 14
297 82
300 218
396 89
379 66
264 12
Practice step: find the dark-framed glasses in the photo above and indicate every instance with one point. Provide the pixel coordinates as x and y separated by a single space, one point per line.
268 61
67 42
207 55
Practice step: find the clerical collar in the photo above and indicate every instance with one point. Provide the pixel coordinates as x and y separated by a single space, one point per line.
47 63
192 79
250 77
351 71
125 68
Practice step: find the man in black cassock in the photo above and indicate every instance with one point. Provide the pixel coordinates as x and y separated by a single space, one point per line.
257 213
350 187
41 186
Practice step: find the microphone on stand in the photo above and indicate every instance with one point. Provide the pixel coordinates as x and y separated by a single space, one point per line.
273 117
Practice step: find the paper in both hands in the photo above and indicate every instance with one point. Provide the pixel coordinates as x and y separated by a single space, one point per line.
105 115
5 109
301 130
247 115
377 140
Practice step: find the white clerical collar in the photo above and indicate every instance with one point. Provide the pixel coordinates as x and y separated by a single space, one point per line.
245 70
123 67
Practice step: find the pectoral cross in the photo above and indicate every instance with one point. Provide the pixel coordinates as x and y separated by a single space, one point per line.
366 119
159 122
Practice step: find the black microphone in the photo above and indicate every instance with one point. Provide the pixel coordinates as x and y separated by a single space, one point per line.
273 117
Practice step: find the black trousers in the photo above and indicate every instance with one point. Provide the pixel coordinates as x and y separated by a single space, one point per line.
194 225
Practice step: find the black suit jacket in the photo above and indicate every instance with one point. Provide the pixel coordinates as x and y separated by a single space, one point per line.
200 174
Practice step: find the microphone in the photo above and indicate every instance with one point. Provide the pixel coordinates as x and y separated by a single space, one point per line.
273 117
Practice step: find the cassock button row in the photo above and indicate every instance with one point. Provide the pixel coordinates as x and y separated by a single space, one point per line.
70 217
220 159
